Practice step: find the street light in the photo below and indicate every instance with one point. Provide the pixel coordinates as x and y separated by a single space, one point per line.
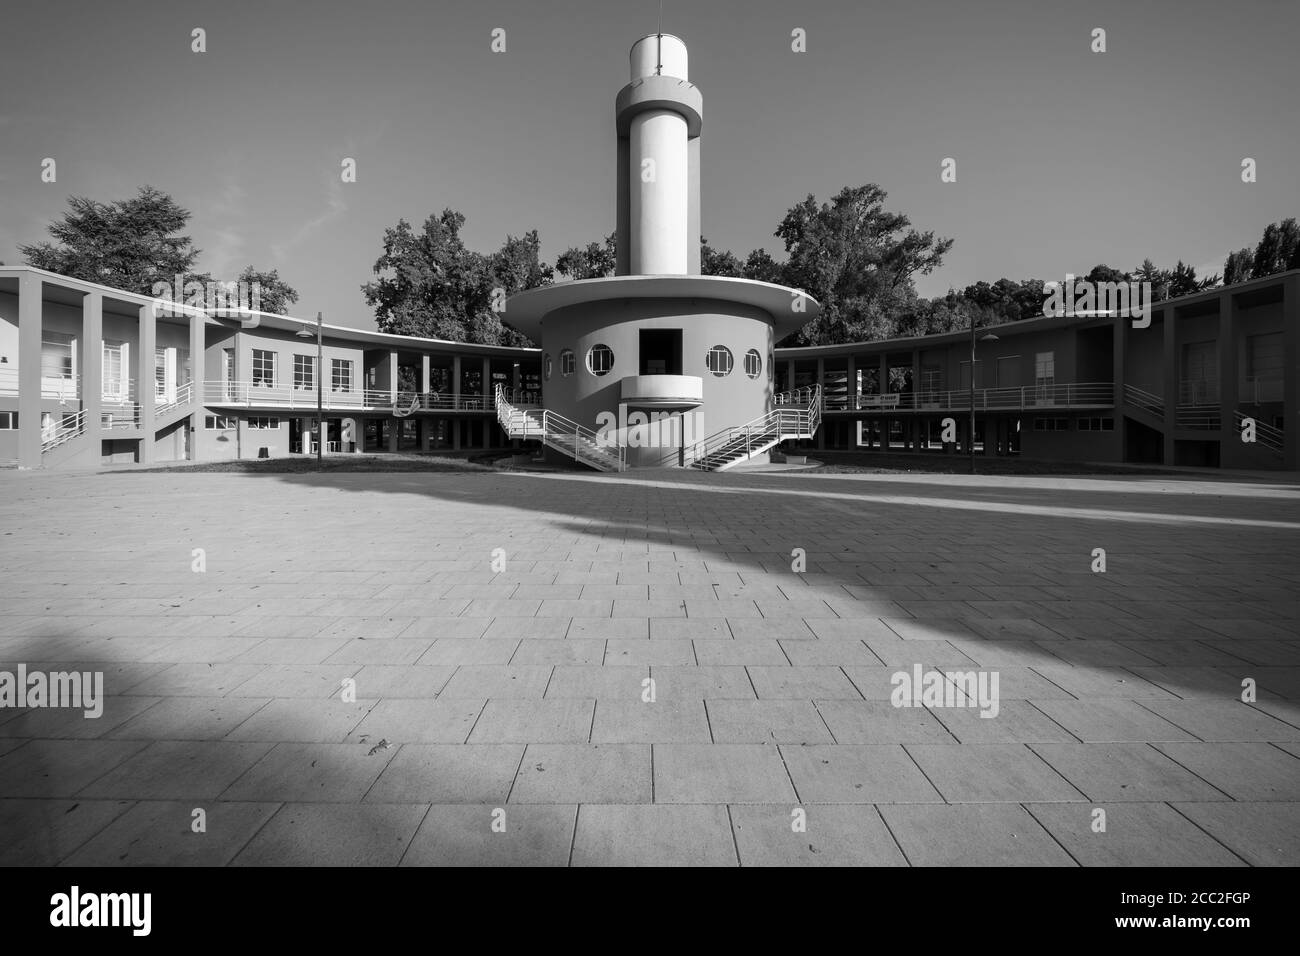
970 434
304 333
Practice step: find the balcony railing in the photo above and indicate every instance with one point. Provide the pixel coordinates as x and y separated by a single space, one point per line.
1012 398
257 395
1255 390
1198 391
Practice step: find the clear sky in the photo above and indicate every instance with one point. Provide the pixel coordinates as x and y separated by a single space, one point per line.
1065 157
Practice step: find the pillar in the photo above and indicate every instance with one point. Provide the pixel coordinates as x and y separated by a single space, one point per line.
91 353
144 371
425 423
1170 330
1118 348
29 371
882 386
392 377
1229 380
1291 371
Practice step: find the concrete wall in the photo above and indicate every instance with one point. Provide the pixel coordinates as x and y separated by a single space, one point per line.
729 400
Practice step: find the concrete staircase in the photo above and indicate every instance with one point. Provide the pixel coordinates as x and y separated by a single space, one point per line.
797 416
562 434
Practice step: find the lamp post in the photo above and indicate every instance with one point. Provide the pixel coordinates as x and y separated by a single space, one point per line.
970 434
303 333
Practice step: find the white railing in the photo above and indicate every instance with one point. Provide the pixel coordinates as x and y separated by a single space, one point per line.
252 395
1147 401
1255 390
1265 434
1198 392
121 416
563 434
66 430
1198 417
797 415
184 394
1010 398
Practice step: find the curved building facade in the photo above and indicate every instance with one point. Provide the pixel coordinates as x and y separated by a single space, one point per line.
659 358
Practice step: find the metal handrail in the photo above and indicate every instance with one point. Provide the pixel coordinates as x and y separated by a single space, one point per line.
1143 399
249 394
777 425
1006 398
184 394
558 432
66 430
1265 434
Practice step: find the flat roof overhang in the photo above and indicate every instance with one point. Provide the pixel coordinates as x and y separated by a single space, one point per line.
527 311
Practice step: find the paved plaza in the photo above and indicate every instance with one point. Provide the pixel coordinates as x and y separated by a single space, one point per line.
442 668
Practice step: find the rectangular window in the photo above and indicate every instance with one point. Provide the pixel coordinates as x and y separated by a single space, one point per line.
304 371
114 362
160 373
1095 424
56 355
1045 368
263 368
262 423
1051 424
931 383
215 423
8 421
341 375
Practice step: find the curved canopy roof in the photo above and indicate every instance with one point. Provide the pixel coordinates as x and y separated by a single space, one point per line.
527 311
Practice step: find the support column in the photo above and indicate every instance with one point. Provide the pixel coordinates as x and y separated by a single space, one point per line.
455 394
199 377
883 384
852 383
1291 372
1119 345
92 361
29 372
486 388
1229 381
1171 380
144 366
821 380
425 423
789 376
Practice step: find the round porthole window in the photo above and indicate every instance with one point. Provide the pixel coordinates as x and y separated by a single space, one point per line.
546 368
753 363
567 364
600 359
719 360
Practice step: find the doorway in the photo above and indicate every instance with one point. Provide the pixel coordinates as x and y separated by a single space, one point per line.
661 352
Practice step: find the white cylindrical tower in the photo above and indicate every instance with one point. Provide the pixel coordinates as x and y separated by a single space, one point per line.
658 174
660 54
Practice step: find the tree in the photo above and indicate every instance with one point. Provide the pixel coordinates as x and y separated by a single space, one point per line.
596 261
718 263
1277 250
1239 266
430 284
129 244
856 259
274 294
763 268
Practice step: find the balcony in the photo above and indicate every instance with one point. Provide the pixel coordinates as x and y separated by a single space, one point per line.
662 391
292 398
1006 399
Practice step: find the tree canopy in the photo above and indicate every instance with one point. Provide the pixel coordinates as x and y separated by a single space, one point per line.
136 244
